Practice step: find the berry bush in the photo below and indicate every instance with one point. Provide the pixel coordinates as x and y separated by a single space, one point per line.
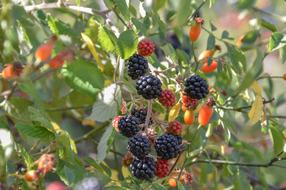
142 94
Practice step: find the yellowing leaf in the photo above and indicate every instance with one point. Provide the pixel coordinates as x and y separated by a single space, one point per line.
174 112
256 88
56 127
92 49
256 110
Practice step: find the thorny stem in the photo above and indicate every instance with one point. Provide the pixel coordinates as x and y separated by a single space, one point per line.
195 57
240 109
149 112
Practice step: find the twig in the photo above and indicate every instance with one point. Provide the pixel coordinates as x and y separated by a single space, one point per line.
277 116
240 109
149 111
195 57
67 108
242 164
174 165
268 76
91 133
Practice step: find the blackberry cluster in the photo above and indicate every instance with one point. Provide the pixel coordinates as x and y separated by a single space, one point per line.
139 146
140 114
149 87
128 126
143 168
196 87
168 146
137 66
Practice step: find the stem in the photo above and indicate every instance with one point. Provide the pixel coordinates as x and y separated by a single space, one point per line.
277 116
91 133
67 108
149 111
271 77
240 109
174 165
195 58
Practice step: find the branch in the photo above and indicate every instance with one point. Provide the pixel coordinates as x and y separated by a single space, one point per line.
91 133
149 111
242 164
67 108
240 109
195 57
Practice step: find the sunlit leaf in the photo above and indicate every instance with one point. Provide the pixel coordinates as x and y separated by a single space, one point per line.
174 112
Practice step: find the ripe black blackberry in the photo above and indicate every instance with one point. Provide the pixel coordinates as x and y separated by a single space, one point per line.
139 146
196 87
149 87
140 114
143 168
168 146
137 66
128 126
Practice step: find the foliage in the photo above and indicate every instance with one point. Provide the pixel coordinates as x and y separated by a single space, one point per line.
68 111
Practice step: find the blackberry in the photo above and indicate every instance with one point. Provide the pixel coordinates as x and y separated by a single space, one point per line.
128 126
162 168
140 114
168 146
149 87
143 168
139 146
196 87
137 66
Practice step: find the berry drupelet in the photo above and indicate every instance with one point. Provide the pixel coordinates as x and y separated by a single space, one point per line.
168 146
128 126
137 66
196 87
139 146
143 169
149 87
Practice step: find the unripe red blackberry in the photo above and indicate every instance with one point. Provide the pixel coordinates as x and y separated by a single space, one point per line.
137 66
175 128
139 146
162 168
146 47
149 87
167 98
128 126
196 87
143 168
168 146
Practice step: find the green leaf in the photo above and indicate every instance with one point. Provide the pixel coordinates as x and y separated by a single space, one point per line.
107 104
123 8
158 4
237 58
183 12
41 117
58 27
250 37
83 76
245 4
267 25
25 155
127 44
252 73
277 139
275 41
213 27
282 54
107 39
211 42
104 143
2 164
35 131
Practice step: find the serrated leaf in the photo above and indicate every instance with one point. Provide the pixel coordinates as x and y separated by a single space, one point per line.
183 12
83 76
41 117
256 88
256 110
107 39
35 131
107 104
24 153
277 139
123 8
237 57
92 49
174 112
127 44
252 73
58 27
276 41
104 143
211 42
